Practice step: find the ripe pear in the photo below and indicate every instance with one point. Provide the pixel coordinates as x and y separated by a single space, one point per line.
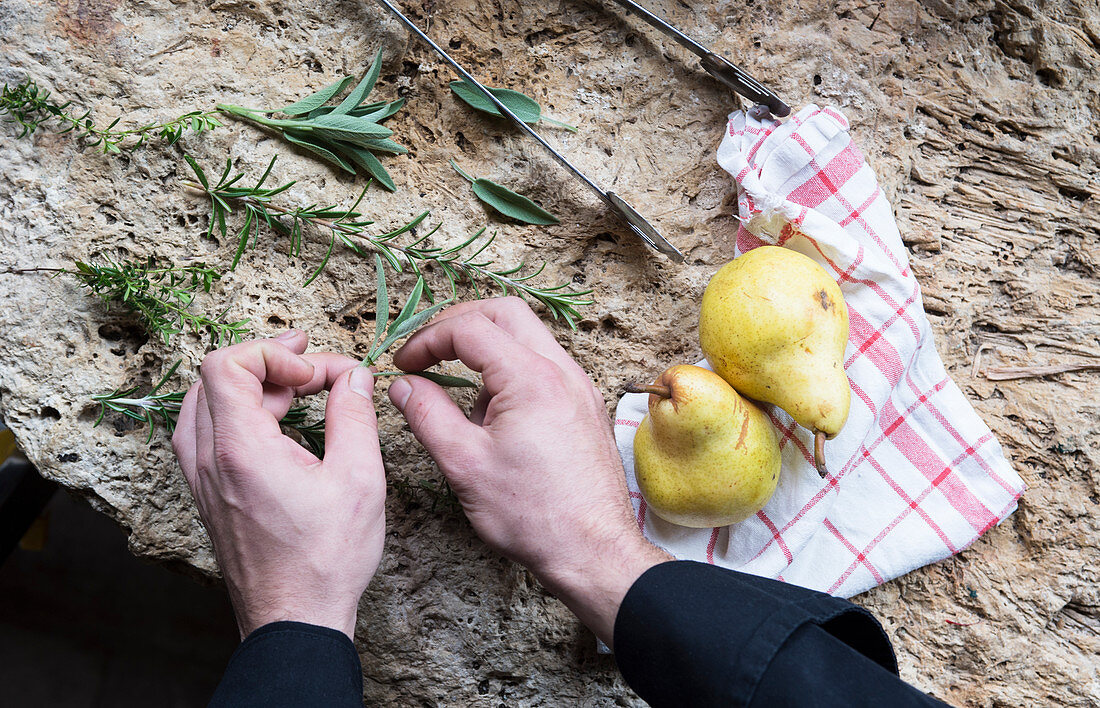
774 325
703 456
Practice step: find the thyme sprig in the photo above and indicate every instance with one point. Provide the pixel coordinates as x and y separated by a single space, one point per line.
163 407
463 261
29 106
161 296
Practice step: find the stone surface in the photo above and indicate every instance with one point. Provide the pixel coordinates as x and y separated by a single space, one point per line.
981 119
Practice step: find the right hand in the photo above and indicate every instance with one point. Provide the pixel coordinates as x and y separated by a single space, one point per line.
535 465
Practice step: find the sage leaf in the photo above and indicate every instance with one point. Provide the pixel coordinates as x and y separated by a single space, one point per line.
346 134
410 305
360 92
345 127
383 145
507 202
308 103
319 150
526 108
445 380
382 303
366 160
413 323
380 113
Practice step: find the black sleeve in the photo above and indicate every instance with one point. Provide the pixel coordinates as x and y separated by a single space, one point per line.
292 664
692 634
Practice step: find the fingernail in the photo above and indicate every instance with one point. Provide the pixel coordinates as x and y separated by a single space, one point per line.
361 381
400 390
289 334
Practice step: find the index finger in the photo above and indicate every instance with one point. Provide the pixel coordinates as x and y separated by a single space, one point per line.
477 342
516 317
233 380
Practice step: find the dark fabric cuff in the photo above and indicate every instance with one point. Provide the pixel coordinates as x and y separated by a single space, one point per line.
683 622
292 664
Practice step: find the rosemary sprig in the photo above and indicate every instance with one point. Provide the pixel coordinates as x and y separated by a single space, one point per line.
161 297
30 106
157 407
463 261
347 134
150 409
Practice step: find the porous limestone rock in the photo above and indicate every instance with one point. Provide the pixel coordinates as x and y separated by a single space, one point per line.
981 119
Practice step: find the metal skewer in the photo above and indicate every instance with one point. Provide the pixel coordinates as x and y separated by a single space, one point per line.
637 223
717 66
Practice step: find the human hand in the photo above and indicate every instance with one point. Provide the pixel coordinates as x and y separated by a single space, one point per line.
296 538
535 465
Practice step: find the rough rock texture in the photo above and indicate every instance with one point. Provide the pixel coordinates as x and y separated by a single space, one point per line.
981 119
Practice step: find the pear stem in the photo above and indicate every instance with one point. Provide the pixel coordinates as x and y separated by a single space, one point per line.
819 453
662 391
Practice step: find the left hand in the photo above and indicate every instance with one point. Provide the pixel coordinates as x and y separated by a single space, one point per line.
296 538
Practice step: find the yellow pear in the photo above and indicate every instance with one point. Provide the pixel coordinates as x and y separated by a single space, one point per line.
703 456
774 325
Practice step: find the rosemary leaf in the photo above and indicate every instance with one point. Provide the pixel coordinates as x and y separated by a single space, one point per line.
526 108
507 202
463 261
156 406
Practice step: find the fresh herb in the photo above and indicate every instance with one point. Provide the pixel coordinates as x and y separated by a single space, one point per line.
161 297
526 108
159 407
464 260
408 320
151 408
312 434
440 492
507 202
347 135
30 106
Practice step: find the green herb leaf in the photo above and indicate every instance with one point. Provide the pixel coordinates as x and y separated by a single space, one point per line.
410 305
446 380
526 108
360 92
308 103
366 160
383 145
507 202
349 127
382 303
319 150
380 113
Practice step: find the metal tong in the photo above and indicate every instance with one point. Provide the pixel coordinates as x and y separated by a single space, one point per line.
637 223
715 65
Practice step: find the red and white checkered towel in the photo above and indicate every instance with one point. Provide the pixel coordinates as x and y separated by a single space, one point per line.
915 475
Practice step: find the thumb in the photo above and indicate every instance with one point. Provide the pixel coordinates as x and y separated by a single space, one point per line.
351 426
437 422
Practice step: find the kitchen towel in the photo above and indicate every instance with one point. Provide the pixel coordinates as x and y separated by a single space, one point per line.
915 475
